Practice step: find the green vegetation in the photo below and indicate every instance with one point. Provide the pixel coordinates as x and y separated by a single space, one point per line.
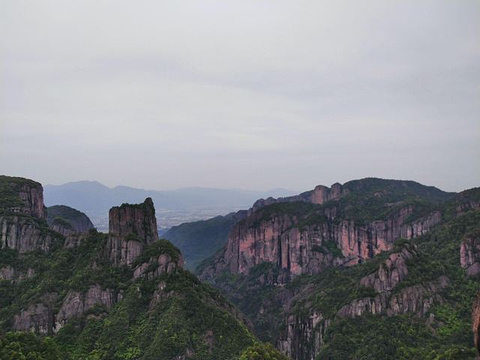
188 317
156 249
201 239
28 346
261 351
402 337
67 216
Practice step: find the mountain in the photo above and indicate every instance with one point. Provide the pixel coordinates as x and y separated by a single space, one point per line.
121 295
177 206
370 269
67 220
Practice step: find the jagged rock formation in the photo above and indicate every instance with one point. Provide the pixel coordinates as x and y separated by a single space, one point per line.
389 273
470 254
68 221
131 228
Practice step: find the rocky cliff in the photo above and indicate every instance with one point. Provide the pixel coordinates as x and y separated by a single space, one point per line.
470 253
131 228
21 196
303 238
22 216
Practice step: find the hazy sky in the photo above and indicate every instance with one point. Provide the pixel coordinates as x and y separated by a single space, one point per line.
246 94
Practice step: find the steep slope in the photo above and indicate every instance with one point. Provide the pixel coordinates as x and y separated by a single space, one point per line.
201 239
411 300
97 302
68 221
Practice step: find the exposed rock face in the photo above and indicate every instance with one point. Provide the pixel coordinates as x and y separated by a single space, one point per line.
470 254
416 299
38 317
131 228
157 266
10 274
7 273
476 324
77 303
308 249
31 194
389 273
24 234
304 336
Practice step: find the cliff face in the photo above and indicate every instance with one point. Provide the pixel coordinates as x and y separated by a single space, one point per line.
470 254
24 234
298 249
131 228
28 192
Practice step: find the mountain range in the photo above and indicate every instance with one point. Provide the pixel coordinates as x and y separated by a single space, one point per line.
175 206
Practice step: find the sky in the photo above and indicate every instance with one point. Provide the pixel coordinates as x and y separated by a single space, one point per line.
249 94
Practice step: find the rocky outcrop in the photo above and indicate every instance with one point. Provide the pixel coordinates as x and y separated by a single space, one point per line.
470 254
68 221
37 317
416 299
320 195
131 227
390 272
7 273
156 266
10 274
31 194
78 303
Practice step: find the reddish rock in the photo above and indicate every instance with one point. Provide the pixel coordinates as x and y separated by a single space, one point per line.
470 254
304 250
131 227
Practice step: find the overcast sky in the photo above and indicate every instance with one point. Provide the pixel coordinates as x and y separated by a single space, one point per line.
240 94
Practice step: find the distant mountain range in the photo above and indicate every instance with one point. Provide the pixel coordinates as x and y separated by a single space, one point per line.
173 206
